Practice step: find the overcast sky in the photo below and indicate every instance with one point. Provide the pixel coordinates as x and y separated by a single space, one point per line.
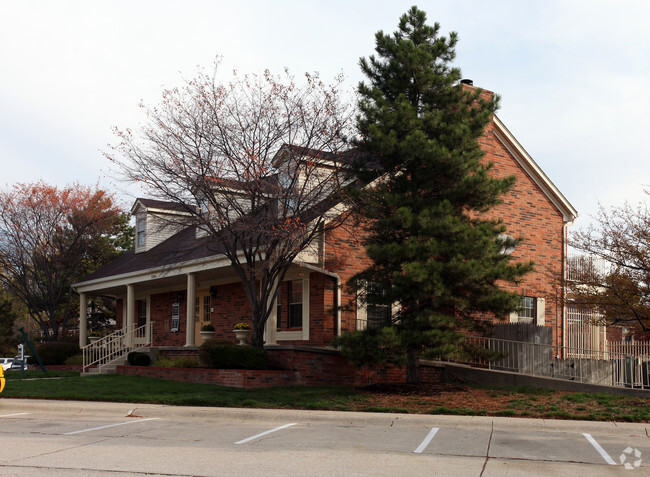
574 75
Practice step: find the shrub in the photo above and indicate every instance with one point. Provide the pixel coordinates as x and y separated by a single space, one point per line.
239 357
230 356
164 362
207 327
76 359
55 352
206 347
135 358
186 363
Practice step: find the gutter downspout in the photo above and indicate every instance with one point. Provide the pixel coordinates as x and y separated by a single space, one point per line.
338 290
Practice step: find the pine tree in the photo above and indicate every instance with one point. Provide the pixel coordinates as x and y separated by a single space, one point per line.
436 258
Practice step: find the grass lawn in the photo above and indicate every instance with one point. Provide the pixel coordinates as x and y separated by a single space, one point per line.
426 399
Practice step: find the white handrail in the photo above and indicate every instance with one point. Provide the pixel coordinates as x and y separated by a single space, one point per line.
115 345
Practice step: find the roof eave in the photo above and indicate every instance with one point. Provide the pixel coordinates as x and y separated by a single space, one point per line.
569 213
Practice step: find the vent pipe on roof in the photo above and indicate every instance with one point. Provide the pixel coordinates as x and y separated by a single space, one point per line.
467 82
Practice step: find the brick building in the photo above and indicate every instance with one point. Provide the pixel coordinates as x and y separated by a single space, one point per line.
157 289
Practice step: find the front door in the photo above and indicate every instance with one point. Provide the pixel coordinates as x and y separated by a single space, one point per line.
202 309
141 319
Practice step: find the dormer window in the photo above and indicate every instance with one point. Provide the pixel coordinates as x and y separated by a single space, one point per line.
140 231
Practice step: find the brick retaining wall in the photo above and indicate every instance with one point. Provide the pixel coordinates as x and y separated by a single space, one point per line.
295 366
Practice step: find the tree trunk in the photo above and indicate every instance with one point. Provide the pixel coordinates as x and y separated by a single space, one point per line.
413 366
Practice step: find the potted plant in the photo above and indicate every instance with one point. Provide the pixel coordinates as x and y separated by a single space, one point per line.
207 332
241 330
94 336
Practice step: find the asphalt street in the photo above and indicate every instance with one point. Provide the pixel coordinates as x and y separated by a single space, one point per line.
65 438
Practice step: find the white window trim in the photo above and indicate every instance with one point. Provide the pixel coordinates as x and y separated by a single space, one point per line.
540 313
296 335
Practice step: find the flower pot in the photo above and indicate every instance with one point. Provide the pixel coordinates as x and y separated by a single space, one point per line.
94 339
242 336
206 335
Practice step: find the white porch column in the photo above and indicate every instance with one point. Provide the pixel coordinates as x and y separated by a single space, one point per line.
191 298
270 333
130 313
83 319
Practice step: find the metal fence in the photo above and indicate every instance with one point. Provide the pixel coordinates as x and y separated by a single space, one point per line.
607 367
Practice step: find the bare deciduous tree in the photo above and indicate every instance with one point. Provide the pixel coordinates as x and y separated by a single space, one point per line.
614 274
254 164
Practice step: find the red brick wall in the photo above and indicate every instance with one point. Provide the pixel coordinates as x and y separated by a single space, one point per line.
345 255
526 213
298 366
229 306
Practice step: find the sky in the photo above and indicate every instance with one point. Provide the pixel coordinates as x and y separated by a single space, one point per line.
573 75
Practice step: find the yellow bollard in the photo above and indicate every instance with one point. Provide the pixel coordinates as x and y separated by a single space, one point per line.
2 379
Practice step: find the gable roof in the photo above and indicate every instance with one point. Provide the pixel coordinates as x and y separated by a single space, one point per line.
158 205
505 137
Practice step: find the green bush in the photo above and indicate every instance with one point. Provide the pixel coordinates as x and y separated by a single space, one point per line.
164 362
205 350
227 355
76 359
135 358
53 353
186 363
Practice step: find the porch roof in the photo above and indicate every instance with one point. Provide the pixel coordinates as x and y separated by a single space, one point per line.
181 247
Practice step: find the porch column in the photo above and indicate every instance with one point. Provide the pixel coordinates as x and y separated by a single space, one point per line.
83 319
191 298
270 331
130 313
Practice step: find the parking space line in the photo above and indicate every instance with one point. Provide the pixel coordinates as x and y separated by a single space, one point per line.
600 450
16 414
248 439
110 425
427 440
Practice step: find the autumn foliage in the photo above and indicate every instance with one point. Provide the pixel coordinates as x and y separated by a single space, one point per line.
49 237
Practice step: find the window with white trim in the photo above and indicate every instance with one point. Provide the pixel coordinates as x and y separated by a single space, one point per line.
295 304
531 310
140 231
372 314
526 312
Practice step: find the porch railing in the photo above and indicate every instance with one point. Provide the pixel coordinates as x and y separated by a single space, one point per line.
114 346
608 367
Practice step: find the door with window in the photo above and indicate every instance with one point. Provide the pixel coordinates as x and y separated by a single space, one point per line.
202 313
141 319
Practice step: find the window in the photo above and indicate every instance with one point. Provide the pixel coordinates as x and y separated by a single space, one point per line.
295 304
175 316
527 311
377 314
140 231
370 313
278 309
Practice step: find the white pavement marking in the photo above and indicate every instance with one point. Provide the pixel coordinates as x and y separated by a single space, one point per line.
110 425
600 450
244 441
16 414
426 441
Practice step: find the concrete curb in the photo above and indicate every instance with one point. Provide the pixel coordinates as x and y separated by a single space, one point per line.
111 409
